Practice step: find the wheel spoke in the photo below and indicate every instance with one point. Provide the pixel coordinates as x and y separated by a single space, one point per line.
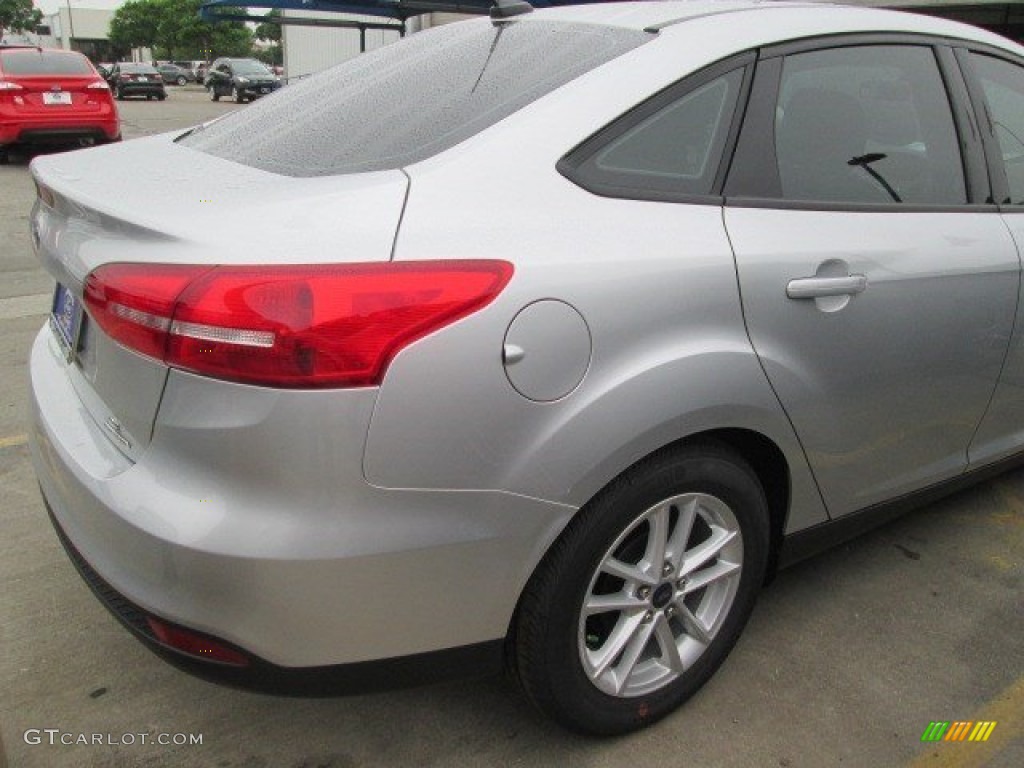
620 601
700 579
681 533
631 655
694 626
696 557
618 639
657 538
669 649
627 571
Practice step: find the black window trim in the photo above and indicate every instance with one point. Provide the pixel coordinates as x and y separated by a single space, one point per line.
993 152
754 165
570 163
858 39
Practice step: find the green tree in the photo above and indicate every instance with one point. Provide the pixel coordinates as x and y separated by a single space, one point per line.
174 30
227 38
271 55
269 30
136 23
18 16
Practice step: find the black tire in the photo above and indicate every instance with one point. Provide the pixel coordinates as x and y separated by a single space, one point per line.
182 80
161 96
237 96
550 634
5 158
119 94
213 93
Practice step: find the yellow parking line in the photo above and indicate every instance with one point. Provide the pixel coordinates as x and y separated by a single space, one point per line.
1006 710
13 440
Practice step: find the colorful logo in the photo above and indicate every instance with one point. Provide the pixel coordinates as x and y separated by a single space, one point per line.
959 731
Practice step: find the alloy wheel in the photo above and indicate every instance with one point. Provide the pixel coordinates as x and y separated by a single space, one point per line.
660 594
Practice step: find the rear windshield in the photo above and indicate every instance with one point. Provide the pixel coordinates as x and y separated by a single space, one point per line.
29 62
407 101
144 69
249 67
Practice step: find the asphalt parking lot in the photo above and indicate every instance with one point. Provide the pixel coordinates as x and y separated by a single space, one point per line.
846 661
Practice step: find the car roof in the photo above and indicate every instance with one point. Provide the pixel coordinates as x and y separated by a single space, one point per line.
645 15
763 20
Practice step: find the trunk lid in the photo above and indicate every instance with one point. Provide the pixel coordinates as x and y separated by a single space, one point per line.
154 201
56 95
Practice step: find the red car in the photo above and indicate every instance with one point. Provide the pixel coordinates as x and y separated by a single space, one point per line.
52 96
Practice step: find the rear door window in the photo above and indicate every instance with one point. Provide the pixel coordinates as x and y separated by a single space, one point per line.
1003 84
867 124
404 102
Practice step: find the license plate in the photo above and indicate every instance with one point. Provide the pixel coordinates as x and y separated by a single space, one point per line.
56 97
66 320
264 90
143 79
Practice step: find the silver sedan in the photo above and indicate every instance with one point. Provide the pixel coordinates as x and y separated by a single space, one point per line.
540 340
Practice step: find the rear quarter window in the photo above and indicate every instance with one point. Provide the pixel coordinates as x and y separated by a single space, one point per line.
407 101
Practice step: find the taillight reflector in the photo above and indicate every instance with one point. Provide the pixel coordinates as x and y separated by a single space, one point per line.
194 644
287 326
45 194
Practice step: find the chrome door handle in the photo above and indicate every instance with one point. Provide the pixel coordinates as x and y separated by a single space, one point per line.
816 287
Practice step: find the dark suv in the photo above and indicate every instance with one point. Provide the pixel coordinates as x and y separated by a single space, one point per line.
241 79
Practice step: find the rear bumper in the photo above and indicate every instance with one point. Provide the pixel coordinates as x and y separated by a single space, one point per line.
481 659
141 89
230 526
42 131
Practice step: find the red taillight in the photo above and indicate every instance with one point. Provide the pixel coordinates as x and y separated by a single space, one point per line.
123 76
10 92
195 644
134 303
287 326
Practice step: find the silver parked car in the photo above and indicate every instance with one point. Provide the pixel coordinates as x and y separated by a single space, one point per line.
551 354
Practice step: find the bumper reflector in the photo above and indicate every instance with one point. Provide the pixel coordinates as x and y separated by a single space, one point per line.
194 644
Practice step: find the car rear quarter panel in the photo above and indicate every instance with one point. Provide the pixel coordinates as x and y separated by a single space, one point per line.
654 282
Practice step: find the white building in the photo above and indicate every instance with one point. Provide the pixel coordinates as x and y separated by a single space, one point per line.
80 29
308 48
